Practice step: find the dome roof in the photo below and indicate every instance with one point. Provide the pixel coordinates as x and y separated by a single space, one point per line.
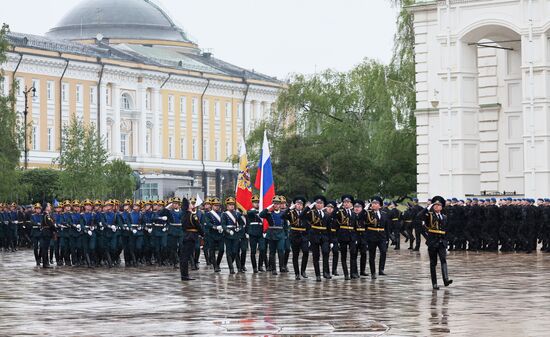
118 19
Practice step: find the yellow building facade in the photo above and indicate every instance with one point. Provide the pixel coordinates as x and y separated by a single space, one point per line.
174 113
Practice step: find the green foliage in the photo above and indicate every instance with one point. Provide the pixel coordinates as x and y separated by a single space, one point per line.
347 132
82 161
9 151
119 179
41 185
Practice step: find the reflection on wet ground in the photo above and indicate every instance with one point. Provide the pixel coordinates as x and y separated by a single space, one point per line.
492 295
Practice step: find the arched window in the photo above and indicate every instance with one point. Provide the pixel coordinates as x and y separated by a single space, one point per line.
126 102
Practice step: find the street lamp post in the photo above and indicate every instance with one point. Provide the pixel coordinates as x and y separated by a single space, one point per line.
25 112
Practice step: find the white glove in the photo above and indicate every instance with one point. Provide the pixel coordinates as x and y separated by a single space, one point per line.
90 233
100 223
292 206
339 205
134 231
220 229
150 230
101 228
164 218
430 207
264 235
309 244
331 245
231 232
164 229
247 236
237 229
113 227
270 206
78 227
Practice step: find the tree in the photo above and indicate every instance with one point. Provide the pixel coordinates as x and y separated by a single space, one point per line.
82 162
9 150
119 179
41 185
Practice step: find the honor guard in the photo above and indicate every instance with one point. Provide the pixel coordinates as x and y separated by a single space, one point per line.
192 229
36 223
257 240
345 232
214 225
275 232
47 230
234 231
299 240
436 225
377 236
360 237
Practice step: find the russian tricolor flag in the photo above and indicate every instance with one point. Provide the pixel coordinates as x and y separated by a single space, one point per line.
264 178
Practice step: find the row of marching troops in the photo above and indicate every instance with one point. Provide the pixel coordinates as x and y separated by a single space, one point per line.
487 224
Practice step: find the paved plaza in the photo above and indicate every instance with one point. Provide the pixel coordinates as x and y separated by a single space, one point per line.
492 295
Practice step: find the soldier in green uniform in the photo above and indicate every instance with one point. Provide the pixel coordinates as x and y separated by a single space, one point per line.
160 232
284 208
299 226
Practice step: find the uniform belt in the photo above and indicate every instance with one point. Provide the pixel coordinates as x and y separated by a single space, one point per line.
230 226
134 225
276 227
299 229
159 225
34 227
192 230
333 230
376 229
176 224
436 231
395 219
15 222
346 227
360 229
408 221
255 223
319 228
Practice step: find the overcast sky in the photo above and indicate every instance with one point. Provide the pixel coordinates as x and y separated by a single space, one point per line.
276 37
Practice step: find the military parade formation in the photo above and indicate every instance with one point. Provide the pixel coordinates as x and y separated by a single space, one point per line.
345 234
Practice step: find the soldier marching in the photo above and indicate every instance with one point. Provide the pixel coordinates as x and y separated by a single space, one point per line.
347 233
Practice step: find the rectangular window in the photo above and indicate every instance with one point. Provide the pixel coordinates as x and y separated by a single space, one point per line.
92 96
148 100
108 96
195 107
50 90
227 149
123 142
34 138
204 107
217 109
183 107
79 94
205 149
228 110
20 86
50 139
36 93
217 150
182 148
194 148
170 148
170 103
64 92
239 111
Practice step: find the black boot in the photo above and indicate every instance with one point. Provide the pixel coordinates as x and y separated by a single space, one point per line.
445 273
217 268
230 264
254 263
434 277
239 264
273 264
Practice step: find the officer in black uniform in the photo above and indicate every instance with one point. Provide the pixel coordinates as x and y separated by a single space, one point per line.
345 232
192 228
298 236
47 230
377 235
436 226
254 228
360 237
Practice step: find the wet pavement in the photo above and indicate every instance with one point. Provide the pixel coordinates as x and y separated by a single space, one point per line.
492 295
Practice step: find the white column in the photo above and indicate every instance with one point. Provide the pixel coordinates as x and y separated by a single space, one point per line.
156 122
102 95
257 111
142 120
135 141
116 121
247 117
